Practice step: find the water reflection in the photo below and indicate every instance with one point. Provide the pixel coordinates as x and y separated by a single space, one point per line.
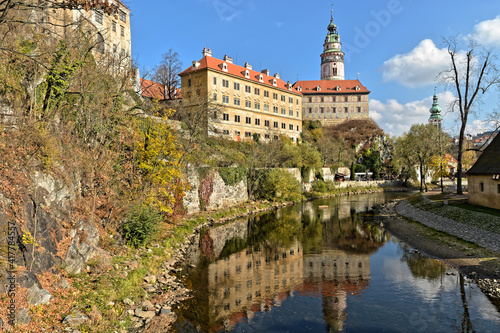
297 256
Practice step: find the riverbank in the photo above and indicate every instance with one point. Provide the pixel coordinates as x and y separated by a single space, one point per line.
471 245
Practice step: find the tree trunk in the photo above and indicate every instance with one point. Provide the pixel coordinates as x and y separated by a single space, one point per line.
460 157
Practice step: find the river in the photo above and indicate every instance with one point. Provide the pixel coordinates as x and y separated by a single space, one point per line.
324 266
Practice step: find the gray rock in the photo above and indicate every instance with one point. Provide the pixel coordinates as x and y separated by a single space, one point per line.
151 279
81 251
23 317
64 284
147 305
128 301
165 311
1 322
75 318
37 296
144 314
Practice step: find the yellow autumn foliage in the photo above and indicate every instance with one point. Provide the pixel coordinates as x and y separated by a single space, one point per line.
158 155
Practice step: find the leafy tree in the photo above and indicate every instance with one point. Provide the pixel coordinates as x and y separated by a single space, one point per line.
469 75
372 160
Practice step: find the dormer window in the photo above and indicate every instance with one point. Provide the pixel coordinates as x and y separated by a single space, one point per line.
318 88
299 88
196 64
261 78
357 88
275 83
224 67
247 73
337 88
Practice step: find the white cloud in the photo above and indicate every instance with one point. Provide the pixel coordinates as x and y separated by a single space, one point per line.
396 118
479 126
488 32
419 67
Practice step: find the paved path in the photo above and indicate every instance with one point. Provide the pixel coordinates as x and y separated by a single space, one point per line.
484 238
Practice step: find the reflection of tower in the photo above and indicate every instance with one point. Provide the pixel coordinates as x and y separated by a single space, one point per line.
332 58
334 310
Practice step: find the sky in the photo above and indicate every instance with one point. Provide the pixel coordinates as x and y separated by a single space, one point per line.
394 47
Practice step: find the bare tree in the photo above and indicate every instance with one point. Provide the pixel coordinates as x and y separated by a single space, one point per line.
469 74
167 73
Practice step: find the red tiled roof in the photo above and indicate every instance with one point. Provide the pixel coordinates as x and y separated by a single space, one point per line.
152 89
330 86
238 71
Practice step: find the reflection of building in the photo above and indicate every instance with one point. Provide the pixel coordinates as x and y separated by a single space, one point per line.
239 282
246 102
333 99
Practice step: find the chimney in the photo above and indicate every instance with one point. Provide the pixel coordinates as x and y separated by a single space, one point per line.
228 59
207 52
277 75
248 66
265 71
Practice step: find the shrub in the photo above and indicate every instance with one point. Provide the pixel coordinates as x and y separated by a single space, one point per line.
319 186
280 185
140 225
232 176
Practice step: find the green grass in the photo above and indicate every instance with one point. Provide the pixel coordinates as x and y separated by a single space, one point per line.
480 209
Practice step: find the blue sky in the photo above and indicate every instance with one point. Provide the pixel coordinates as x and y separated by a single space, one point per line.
394 45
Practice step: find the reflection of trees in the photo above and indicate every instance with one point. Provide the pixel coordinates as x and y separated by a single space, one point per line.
421 266
466 323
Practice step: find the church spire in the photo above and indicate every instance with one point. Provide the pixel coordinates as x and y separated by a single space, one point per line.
332 58
435 111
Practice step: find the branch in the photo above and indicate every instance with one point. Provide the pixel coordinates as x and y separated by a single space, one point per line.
32 58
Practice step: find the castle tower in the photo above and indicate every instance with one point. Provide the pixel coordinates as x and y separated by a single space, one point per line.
435 111
332 58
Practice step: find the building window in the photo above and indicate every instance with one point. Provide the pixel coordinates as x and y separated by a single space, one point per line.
266 93
322 110
225 83
113 26
298 128
215 80
248 104
334 99
297 101
225 116
257 105
225 99
236 86
310 99
237 133
283 126
257 122
334 110
481 187
346 110
290 127
237 119
236 101
266 107
123 16
290 112
122 31
215 97
248 134
359 98
275 124
275 96
283 98
358 109
346 99
114 48
266 123
256 91
225 132
248 120
97 17
275 109
322 99
266 136
248 89
189 82
283 110
310 110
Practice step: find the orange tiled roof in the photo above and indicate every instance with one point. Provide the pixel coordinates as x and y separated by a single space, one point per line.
330 86
239 71
152 89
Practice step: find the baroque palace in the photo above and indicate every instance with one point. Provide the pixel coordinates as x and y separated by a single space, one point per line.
333 99
243 104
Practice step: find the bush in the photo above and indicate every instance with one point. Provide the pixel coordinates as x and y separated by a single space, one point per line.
140 224
234 175
279 185
319 186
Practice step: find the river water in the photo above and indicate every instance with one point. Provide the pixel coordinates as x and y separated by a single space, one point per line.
324 266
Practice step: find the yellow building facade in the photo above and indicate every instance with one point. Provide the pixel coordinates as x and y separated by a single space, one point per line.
243 103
